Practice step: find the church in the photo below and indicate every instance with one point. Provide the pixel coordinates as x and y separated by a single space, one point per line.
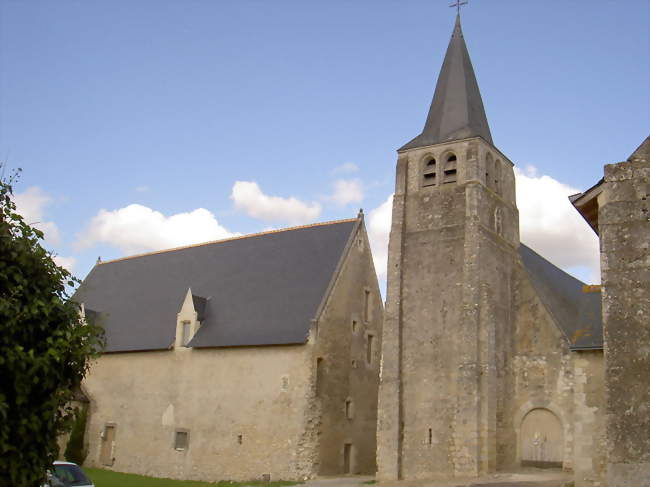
492 357
250 358
271 355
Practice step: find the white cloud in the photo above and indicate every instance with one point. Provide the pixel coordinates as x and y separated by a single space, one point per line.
31 205
67 262
346 168
136 228
551 226
347 191
378 225
248 197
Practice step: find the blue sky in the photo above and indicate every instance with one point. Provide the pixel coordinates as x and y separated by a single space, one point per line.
168 105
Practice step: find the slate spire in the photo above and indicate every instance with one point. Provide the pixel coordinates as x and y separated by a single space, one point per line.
457 108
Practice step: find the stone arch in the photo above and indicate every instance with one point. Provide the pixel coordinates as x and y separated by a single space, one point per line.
541 434
450 167
429 169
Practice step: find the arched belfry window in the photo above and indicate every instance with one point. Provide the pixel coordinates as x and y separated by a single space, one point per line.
429 173
450 169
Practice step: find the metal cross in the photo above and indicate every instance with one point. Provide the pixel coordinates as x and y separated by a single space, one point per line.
458 5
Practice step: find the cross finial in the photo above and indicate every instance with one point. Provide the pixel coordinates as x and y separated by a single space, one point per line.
458 4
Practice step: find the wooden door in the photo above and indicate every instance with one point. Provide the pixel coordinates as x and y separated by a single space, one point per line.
108 443
542 439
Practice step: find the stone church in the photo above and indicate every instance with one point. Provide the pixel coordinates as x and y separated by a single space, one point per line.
271 355
239 359
492 357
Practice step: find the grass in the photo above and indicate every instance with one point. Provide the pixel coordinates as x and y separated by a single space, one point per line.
108 478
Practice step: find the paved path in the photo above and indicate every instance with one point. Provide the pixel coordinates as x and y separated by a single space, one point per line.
524 478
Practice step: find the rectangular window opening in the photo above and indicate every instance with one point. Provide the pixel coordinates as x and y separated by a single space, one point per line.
366 306
430 436
187 329
369 351
319 375
450 176
181 440
348 409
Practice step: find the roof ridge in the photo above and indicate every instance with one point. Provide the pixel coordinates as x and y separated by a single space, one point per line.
223 240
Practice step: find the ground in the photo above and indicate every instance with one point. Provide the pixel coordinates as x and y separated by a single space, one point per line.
523 478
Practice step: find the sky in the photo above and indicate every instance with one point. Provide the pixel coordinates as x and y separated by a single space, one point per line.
152 124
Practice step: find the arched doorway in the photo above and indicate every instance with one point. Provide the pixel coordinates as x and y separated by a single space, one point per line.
542 439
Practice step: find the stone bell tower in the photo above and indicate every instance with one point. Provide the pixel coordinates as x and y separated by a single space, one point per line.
448 321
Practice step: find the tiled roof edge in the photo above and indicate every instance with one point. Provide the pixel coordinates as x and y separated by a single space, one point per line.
240 237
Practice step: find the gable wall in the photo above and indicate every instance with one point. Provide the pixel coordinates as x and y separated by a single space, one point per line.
538 374
338 346
215 394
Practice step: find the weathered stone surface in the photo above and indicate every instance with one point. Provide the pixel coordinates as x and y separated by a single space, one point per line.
624 224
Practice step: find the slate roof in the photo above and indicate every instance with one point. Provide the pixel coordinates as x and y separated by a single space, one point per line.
457 110
261 289
577 313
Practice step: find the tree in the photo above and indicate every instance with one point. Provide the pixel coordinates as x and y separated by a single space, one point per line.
45 349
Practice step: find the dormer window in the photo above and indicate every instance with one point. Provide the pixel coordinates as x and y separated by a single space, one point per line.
187 333
429 173
450 169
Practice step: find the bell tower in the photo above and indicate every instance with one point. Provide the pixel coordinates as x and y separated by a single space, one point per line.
452 253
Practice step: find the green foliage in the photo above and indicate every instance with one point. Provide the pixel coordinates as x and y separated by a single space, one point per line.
75 450
45 349
107 478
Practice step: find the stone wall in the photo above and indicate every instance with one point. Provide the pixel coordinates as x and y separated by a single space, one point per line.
243 409
624 224
348 345
539 376
589 418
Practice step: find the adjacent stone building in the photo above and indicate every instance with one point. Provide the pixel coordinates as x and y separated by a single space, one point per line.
238 359
492 356
618 210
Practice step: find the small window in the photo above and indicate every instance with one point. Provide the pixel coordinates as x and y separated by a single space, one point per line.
366 305
187 331
348 408
450 170
354 326
430 436
369 348
429 173
181 440
240 439
319 375
498 221
489 171
497 177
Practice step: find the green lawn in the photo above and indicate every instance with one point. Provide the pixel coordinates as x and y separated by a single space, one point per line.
107 478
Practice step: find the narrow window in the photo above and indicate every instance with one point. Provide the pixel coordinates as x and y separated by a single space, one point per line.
489 171
348 408
366 306
497 177
498 221
354 326
347 457
240 439
430 436
285 382
354 364
450 169
369 348
429 173
181 440
319 375
187 328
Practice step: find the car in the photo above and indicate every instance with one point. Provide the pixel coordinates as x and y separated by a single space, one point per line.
67 474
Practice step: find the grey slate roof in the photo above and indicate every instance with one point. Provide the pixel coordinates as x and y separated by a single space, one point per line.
257 290
457 108
577 313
